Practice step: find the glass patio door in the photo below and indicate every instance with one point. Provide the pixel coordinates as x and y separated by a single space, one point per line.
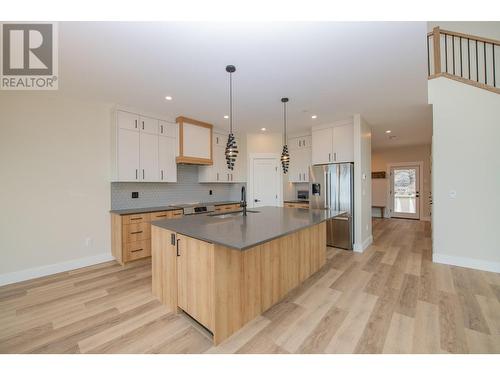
405 195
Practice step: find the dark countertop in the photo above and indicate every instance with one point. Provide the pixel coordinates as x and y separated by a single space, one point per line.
129 211
240 232
297 201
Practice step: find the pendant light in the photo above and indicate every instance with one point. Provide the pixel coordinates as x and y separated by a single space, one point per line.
231 146
285 156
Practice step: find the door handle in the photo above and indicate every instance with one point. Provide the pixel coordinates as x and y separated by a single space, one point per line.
177 247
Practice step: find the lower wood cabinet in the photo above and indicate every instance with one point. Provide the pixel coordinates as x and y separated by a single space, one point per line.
228 207
296 205
131 234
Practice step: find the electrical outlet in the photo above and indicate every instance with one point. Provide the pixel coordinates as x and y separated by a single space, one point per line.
135 194
88 241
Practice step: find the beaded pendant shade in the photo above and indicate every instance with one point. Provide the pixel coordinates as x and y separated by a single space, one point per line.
285 156
231 146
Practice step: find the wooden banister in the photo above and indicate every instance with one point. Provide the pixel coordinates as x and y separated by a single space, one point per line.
437 50
486 66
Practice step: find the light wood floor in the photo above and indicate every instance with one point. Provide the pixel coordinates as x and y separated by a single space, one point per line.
390 299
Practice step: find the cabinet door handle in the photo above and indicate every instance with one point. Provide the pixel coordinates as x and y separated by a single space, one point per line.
161 215
133 251
136 218
136 232
136 174
143 125
329 156
335 156
161 131
231 177
217 176
177 247
162 174
135 123
143 175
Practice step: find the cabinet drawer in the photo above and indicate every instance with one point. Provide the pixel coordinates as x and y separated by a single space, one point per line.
176 213
159 215
136 218
136 232
136 250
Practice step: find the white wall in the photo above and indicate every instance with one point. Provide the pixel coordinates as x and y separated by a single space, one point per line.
382 157
54 190
466 160
362 191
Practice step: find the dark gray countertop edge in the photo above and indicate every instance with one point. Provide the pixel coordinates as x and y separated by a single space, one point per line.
201 238
142 210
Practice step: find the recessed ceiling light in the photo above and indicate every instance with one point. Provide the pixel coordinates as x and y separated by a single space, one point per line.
168 98
314 116
226 116
263 129
388 131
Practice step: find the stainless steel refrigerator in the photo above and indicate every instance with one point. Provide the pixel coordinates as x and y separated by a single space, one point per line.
332 187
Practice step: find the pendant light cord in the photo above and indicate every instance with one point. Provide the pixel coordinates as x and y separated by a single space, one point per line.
231 103
284 123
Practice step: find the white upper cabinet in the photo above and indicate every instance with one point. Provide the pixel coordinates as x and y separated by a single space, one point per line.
300 159
144 148
149 157
126 120
148 125
167 129
334 144
218 171
322 146
167 147
128 158
299 142
343 144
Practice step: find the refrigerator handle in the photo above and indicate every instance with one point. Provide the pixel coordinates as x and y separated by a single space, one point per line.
327 191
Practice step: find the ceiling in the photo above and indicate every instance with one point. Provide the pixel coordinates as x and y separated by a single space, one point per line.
329 69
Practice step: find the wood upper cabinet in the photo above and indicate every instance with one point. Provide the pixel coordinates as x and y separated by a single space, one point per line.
333 144
195 142
144 149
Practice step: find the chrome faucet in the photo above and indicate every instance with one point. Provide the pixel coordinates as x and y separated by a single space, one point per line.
243 202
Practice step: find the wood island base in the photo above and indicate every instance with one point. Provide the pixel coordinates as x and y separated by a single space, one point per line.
224 288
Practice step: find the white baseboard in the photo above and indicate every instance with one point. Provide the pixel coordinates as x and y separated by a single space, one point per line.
477 264
50 269
366 243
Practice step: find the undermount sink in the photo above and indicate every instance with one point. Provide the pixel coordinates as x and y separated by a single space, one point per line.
232 214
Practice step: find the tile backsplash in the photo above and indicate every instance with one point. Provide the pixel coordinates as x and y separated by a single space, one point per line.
187 189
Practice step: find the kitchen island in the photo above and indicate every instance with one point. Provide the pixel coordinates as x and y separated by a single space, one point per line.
226 269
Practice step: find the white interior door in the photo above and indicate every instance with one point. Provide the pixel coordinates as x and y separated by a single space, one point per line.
266 181
405 192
